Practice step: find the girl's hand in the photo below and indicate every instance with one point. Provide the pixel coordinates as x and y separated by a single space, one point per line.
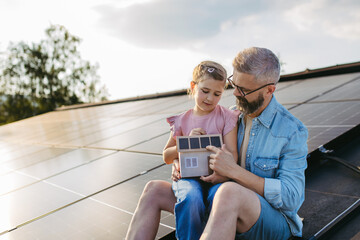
214 178
197 131
175 175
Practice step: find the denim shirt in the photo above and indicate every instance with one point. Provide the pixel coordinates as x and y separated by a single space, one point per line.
277 151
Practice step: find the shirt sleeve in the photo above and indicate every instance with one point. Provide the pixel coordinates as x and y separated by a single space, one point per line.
174 125
231 118
286 190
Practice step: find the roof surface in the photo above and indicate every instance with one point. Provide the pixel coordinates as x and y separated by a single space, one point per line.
78 173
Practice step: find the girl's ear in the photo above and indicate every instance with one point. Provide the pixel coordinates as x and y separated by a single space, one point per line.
192 85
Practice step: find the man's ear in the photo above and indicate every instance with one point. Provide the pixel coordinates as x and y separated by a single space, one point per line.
271 89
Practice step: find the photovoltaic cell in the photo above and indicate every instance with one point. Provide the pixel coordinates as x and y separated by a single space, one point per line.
194 143
205 141
183 143
215 141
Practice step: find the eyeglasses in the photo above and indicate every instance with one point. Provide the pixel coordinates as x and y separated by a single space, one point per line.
240 88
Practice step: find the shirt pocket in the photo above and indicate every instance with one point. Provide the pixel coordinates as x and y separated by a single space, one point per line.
266 167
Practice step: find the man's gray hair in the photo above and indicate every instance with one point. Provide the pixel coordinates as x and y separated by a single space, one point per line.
259 62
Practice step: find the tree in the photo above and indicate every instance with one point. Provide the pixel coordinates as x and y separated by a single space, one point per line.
40 77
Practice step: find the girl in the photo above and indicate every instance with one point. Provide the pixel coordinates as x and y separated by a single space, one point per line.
207 117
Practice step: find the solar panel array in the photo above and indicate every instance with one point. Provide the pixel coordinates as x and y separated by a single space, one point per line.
78 174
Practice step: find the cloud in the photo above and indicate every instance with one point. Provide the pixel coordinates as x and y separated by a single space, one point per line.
173 23
305 34
339 19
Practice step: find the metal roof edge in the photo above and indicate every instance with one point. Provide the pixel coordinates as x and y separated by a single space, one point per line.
320 72
130 99
308 73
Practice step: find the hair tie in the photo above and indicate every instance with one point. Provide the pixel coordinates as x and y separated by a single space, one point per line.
210 69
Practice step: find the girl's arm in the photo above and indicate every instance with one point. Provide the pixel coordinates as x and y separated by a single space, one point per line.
230 141
170 152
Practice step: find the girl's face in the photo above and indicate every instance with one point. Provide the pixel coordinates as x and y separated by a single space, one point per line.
207 94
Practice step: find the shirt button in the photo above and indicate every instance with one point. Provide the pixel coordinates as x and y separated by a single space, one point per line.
264 165
253 134
248 155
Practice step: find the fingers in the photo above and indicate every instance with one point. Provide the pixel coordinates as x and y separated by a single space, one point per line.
197 131
175 174
211 163
212 148
206 178
176 165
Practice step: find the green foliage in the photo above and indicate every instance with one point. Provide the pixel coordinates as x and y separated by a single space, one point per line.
42 76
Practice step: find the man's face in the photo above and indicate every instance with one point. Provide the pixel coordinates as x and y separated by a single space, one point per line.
251 103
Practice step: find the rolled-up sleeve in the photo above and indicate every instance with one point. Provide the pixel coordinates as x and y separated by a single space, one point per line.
286 190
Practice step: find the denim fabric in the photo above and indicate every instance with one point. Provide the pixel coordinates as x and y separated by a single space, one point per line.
277 151
194 201
267 228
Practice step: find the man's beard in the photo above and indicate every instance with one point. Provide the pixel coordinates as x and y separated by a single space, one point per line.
249 107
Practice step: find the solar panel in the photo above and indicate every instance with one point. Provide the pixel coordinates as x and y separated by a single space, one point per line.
326 121
109 170
304 90
74 168
199 142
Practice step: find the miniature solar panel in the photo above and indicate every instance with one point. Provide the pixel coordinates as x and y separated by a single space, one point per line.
198 142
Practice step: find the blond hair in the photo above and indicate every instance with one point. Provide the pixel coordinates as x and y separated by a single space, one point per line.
208 69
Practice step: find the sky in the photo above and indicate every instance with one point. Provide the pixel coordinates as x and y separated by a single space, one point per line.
152 46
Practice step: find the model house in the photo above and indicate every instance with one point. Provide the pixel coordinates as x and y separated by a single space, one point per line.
193 156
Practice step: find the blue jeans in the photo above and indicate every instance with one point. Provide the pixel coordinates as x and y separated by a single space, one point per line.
194 202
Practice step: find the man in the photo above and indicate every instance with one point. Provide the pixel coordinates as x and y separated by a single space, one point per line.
267 187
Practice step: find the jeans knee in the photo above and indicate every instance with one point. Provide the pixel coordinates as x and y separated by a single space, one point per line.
188 190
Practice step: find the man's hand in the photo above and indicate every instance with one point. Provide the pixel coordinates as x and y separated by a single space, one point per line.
221 161
175 175
197 131
214 178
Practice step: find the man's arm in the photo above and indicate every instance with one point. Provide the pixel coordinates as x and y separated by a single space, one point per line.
286 190
223 163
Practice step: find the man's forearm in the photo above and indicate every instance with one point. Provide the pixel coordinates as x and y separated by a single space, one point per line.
248 179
